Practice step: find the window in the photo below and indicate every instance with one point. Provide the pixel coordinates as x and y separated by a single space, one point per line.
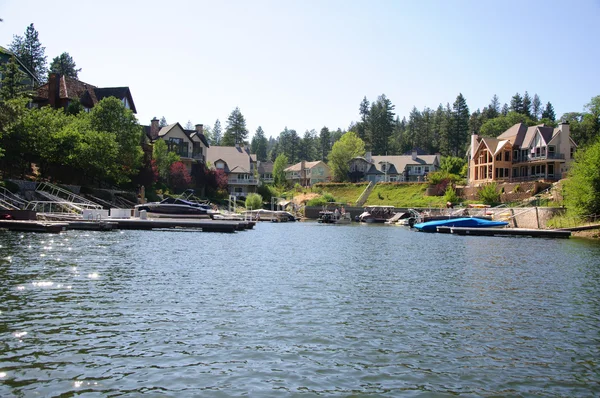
515 155
426 169
507 156
551 151
417 169
499 157
572 152
220 165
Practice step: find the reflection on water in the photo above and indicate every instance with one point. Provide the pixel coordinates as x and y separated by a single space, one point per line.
298 308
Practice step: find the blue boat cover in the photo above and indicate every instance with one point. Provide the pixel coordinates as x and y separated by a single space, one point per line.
466 222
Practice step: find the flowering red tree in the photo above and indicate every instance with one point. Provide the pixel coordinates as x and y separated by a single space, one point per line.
154 168
221 179
179 177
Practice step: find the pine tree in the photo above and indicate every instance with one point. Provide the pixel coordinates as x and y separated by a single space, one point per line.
259 145
325 143
504 110
64 65
548 113
189 125
12 85
30 52
381 125
536 107
494 108
526 104
361 127
516 103
235 132
460 129
217 133
163 122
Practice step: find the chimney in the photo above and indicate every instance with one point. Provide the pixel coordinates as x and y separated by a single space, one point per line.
474 141
200 128
154 128
413 155
54 90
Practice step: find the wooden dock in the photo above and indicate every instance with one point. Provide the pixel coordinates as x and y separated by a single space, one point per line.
204 225
537 233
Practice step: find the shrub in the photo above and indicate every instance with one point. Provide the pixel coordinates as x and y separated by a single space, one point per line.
517 188
318 201
489 194
328 197
450 195
254 201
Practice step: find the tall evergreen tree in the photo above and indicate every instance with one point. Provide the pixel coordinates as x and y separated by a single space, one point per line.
361 127
13 81
504 110
381 125
526 104
460 128
548 113
163 122
475 122
217 133
325 144
536 107
494 108
64 65
307 149
259 144
235 132
31 53
516 103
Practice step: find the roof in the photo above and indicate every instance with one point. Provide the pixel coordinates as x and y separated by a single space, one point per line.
235 157
399 162
265 167
21 64
88 94
521 136
307 165
493 144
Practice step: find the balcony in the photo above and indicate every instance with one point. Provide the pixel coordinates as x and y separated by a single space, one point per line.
534 158
242 181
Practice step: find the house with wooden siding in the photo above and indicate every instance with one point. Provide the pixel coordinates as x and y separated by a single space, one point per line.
521 153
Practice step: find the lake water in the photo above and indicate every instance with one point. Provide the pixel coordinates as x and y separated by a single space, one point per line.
298 309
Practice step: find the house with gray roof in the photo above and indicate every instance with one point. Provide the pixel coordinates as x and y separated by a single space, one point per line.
239 165
521 153
393 168
191 145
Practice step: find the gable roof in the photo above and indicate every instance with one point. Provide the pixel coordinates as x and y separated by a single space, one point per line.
307 165
235 158
493 144
29 73
401 162
265 167
521 135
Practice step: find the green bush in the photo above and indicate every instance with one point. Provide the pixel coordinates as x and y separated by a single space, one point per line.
489 194
254 201
318 201
328 197
450 195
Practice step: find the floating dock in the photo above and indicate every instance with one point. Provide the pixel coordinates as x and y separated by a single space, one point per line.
204 225
537 233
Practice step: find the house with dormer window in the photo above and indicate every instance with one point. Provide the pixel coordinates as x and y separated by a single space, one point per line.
239 165
521 153
191 145
307 173
412 167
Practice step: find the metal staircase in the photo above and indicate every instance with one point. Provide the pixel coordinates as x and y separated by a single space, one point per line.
365 195
60 201
10 201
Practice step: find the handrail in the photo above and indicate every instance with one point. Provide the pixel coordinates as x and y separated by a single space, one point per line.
61 194
11 198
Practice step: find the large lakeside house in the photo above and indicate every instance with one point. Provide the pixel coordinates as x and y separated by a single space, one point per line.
412 167
240 166
308 173
60 91
521 153
191 145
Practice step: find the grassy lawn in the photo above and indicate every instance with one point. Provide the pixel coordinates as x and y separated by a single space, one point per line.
403 195
395 194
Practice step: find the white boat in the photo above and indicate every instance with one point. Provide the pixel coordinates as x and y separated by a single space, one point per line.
334 217
268 215
376 214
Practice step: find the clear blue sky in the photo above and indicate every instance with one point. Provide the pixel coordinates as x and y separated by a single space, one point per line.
307 64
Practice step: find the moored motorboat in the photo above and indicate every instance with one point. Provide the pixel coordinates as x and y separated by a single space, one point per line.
376 214
334 217
177 206
464 222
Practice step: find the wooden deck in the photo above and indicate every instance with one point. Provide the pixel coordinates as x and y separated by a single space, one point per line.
538 233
